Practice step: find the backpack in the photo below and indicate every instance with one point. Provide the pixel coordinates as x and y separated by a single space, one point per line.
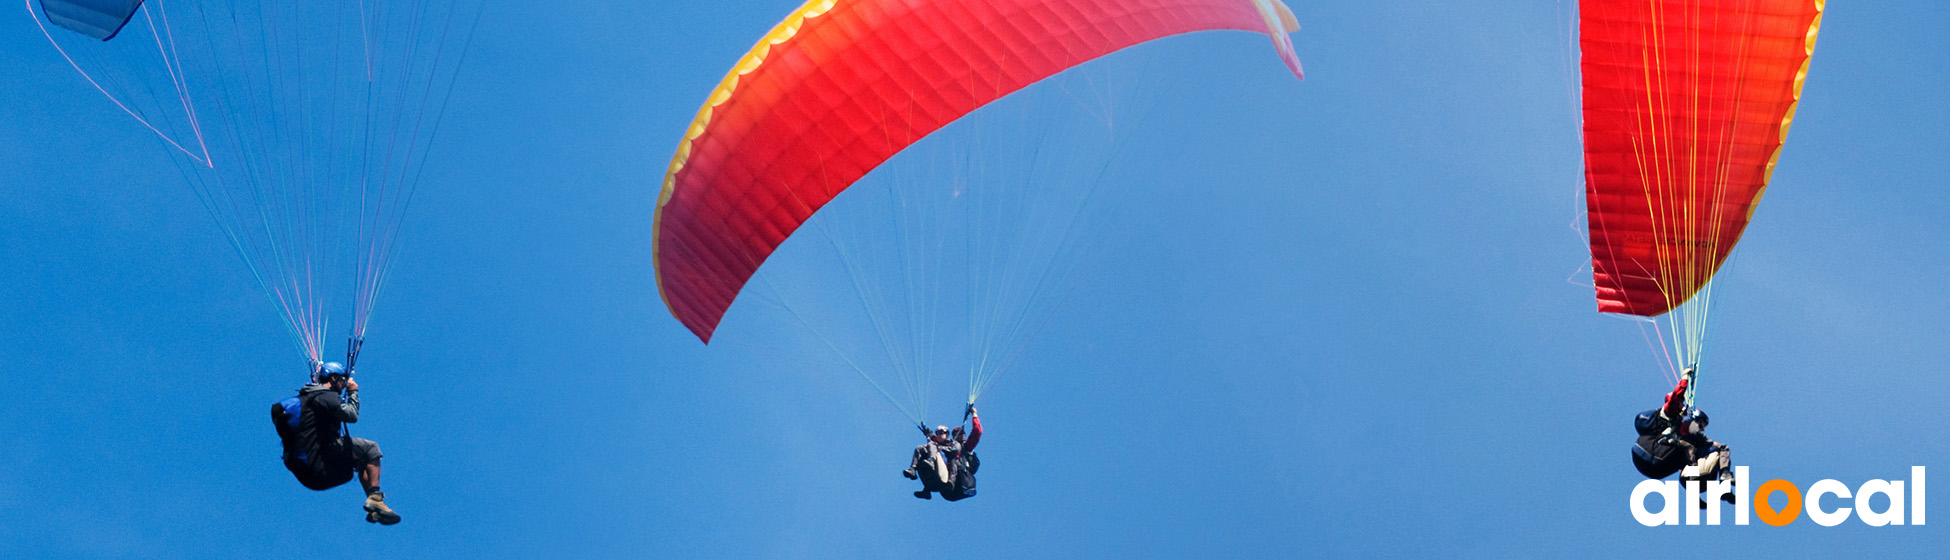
1650 423
284 417
1658 456
286 412
963 485
1658 452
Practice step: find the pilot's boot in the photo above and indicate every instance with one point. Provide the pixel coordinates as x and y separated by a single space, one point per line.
377 512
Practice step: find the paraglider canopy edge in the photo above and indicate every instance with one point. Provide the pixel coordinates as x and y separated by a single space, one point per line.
99 19
779 34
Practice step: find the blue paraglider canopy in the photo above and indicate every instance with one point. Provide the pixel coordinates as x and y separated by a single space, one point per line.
100 19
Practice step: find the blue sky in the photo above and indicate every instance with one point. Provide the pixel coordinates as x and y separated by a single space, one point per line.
1338 323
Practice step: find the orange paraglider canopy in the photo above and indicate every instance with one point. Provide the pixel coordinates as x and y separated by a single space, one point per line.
842 85
1686 106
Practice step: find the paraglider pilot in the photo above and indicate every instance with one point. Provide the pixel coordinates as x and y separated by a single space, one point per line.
1673 437
946 463
318 450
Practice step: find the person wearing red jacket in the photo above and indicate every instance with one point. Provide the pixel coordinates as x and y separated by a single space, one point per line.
1673 437
946 463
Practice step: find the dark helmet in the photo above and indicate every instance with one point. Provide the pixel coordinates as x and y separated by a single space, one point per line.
1698 416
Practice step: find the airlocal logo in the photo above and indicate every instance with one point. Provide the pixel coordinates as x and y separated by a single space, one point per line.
1780 502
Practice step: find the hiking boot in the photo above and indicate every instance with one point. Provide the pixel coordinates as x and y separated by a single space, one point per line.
910 474
377 512
924 494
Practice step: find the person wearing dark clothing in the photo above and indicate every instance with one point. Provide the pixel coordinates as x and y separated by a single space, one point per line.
317 449
946 463
1673 437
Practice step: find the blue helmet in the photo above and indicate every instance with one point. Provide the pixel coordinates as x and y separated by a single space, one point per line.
331 369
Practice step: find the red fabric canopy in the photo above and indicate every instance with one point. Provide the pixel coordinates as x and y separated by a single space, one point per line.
1686 104
842 85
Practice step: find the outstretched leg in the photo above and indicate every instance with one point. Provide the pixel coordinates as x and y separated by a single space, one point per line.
914 465
368 456
1723 457
1714 464
923 455
941 468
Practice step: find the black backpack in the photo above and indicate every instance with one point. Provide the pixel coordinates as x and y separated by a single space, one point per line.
1658 453
962 484
1650 423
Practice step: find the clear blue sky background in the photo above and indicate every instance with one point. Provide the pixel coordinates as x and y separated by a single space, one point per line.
1343 327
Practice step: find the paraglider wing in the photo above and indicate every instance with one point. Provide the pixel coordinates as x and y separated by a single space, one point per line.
1686 106
100 19
839 87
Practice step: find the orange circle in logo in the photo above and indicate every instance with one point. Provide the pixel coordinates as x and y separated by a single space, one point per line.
1777 517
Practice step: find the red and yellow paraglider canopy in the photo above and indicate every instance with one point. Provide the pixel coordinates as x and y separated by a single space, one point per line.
842 85
1686 107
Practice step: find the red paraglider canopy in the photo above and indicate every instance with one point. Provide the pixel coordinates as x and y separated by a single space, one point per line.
840 86
1686 106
